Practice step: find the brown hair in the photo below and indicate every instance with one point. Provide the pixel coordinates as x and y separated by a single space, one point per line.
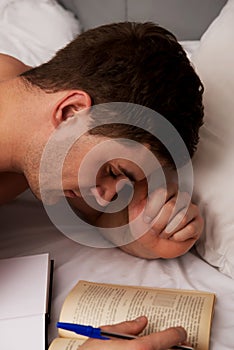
140 63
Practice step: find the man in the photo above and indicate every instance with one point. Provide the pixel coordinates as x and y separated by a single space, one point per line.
141 64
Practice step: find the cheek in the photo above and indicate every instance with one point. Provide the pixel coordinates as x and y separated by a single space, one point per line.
70 168
91 174
77 166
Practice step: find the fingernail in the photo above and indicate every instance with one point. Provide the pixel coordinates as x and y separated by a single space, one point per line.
147 219
182 332
170 227
139 319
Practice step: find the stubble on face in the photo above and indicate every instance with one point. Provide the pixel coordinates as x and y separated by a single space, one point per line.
49 173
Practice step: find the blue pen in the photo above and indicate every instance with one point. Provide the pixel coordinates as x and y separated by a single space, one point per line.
93 332
98 333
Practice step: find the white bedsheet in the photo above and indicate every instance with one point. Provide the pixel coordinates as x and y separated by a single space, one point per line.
26 229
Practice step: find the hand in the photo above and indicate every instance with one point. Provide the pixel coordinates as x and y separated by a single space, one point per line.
169 231
156 341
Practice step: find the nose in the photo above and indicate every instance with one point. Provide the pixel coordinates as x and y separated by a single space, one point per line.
96 192
105 193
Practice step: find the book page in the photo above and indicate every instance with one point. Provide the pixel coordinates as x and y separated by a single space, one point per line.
65 344
99 304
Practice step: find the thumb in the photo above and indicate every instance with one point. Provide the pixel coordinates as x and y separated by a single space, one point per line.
129 327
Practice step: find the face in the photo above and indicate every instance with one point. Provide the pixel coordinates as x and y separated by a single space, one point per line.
105 167
95 168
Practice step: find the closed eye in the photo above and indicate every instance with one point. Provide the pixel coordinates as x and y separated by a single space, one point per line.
112 173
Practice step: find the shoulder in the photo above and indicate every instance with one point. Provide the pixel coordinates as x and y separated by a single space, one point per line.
10 67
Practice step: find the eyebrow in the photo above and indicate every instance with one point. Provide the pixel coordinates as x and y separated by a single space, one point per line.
128 174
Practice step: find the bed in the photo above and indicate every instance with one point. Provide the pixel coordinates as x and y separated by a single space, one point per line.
209 42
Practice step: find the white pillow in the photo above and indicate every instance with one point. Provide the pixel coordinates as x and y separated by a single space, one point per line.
190 46
214 160
33 31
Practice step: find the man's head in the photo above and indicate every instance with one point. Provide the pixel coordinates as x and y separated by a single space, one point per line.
140 63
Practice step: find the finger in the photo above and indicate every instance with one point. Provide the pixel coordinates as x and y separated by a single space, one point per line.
189 232
156 201
163 340
129 327
180 221
166 215
192 230
156 341
96 344
174 216
159 224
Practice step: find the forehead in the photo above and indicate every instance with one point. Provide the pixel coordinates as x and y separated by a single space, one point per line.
124 154
118 147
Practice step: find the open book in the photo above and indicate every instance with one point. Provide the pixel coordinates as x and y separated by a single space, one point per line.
24 302
98 304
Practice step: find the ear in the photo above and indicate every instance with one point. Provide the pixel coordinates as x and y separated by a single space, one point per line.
71 103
